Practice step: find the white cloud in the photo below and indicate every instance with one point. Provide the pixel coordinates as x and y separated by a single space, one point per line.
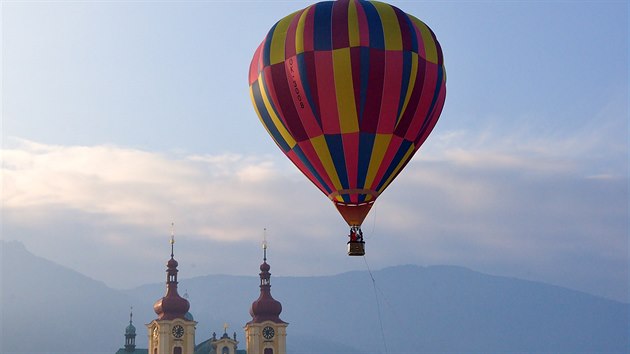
215 197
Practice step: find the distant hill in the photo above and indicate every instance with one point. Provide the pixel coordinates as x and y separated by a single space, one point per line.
47 308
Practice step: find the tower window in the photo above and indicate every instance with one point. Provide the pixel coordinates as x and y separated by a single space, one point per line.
177 350
268 351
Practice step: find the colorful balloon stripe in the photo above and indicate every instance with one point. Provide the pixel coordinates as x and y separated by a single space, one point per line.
349 90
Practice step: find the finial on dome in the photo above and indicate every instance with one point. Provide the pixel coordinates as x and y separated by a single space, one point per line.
172 237
130 314
264 244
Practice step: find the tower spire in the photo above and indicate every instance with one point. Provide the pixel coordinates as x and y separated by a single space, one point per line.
172 305
265 308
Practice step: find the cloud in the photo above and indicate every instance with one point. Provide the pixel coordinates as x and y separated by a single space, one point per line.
134 186
521 213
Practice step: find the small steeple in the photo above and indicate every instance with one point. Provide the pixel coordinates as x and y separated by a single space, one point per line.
172 305
265 308
130 334
188 315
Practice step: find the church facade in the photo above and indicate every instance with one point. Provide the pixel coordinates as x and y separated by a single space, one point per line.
173 330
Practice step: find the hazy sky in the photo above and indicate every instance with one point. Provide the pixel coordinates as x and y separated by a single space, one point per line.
119 118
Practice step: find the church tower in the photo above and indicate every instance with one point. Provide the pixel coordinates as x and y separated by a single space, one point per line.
173 332
266 332
130 339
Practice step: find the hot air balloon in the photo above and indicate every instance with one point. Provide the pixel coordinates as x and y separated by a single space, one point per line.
349 90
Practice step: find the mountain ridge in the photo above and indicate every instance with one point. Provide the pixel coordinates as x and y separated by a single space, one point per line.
407 308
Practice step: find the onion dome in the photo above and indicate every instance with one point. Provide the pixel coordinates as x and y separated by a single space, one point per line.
265 308
131 329
172 305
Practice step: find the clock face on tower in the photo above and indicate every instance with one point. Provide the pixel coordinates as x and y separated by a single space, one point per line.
268 332
178 331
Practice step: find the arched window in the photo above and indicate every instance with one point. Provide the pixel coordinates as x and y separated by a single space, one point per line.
177 350
268 351
225 350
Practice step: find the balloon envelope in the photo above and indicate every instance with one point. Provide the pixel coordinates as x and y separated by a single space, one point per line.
349 90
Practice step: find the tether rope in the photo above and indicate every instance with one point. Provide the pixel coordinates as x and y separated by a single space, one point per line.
378 306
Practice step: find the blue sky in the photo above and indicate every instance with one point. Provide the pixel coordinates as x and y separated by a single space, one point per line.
119 118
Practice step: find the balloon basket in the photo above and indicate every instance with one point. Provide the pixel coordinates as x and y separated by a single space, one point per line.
356 248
